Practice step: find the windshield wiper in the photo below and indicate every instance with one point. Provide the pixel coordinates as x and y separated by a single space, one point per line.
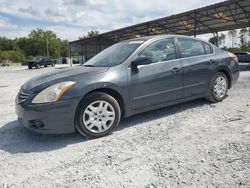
89 65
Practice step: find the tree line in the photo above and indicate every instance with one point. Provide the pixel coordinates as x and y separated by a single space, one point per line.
242 35
35 44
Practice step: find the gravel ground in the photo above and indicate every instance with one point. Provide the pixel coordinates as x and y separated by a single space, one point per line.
194 144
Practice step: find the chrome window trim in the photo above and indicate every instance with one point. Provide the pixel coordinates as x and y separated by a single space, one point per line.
147 43
199 41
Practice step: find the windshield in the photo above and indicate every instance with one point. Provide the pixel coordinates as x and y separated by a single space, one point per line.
37 58
114 55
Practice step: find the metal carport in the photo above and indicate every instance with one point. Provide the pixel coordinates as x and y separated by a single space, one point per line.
226 15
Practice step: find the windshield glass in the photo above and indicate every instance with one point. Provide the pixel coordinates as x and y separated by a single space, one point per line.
114 55
37 58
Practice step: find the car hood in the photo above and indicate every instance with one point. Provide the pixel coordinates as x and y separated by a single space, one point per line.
38 83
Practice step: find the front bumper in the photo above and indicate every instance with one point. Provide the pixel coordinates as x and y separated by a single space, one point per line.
51 118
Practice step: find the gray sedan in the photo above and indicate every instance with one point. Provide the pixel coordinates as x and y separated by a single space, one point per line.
127 78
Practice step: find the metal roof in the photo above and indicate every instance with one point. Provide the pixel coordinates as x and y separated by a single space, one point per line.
226 15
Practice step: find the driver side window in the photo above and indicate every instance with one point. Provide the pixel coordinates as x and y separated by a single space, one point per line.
162 50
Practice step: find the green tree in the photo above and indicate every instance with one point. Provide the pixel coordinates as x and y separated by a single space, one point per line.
218 40
14 55
92 33
6 44
35 44
64 48
232 35
243 39
39 40
248 39
24 44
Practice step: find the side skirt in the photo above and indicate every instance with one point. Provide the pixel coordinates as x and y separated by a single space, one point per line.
162 105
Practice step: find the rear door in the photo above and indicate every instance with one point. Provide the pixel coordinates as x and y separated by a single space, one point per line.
158 82
196 58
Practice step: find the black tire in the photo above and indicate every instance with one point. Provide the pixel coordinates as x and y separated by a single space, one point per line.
38 66
212 97
30 67
89 99
45 65
53 64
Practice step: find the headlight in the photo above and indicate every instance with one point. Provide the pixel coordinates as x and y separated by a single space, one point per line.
53 93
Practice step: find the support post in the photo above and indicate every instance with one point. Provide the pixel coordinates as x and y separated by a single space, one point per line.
147 30
217 37
81 54
195 23
85 52
70 62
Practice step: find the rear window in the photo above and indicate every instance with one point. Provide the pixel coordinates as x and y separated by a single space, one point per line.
190 47
208 48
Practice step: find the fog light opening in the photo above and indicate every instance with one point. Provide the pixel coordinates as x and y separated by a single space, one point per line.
37 124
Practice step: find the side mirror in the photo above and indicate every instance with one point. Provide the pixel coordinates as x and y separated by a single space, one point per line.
141 61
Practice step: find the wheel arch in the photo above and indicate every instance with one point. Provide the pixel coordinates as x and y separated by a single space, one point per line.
227 72
115 94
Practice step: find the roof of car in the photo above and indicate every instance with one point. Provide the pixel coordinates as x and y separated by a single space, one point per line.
161 36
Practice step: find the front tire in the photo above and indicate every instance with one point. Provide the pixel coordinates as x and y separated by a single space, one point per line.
218 88
98 115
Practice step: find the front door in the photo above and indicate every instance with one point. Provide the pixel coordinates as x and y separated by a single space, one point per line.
159 82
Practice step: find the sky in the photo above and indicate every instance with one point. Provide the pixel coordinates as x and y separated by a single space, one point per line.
70 19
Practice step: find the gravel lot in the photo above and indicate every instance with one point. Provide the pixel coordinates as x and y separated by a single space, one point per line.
195 144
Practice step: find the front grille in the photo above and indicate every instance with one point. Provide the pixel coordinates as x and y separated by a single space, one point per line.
22 96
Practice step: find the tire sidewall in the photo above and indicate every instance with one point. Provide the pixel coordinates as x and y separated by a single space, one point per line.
84 104
38 66
212 94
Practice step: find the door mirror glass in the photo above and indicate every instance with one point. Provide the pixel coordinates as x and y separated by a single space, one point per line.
141 61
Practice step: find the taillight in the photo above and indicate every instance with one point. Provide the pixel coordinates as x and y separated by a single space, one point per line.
234 57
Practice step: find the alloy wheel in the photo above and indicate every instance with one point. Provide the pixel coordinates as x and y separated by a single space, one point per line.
98 116
220 87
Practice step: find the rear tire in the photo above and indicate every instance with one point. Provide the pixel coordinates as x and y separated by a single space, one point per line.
98 115
30 67
38 66
218 88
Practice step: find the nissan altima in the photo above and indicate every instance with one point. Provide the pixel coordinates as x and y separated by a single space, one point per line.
128 78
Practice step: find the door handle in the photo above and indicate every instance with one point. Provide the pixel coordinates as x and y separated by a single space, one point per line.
175 70
211 61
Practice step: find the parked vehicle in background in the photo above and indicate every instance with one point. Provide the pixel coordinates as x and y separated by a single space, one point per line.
37 62
78 59
127 78
6 63
243 57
